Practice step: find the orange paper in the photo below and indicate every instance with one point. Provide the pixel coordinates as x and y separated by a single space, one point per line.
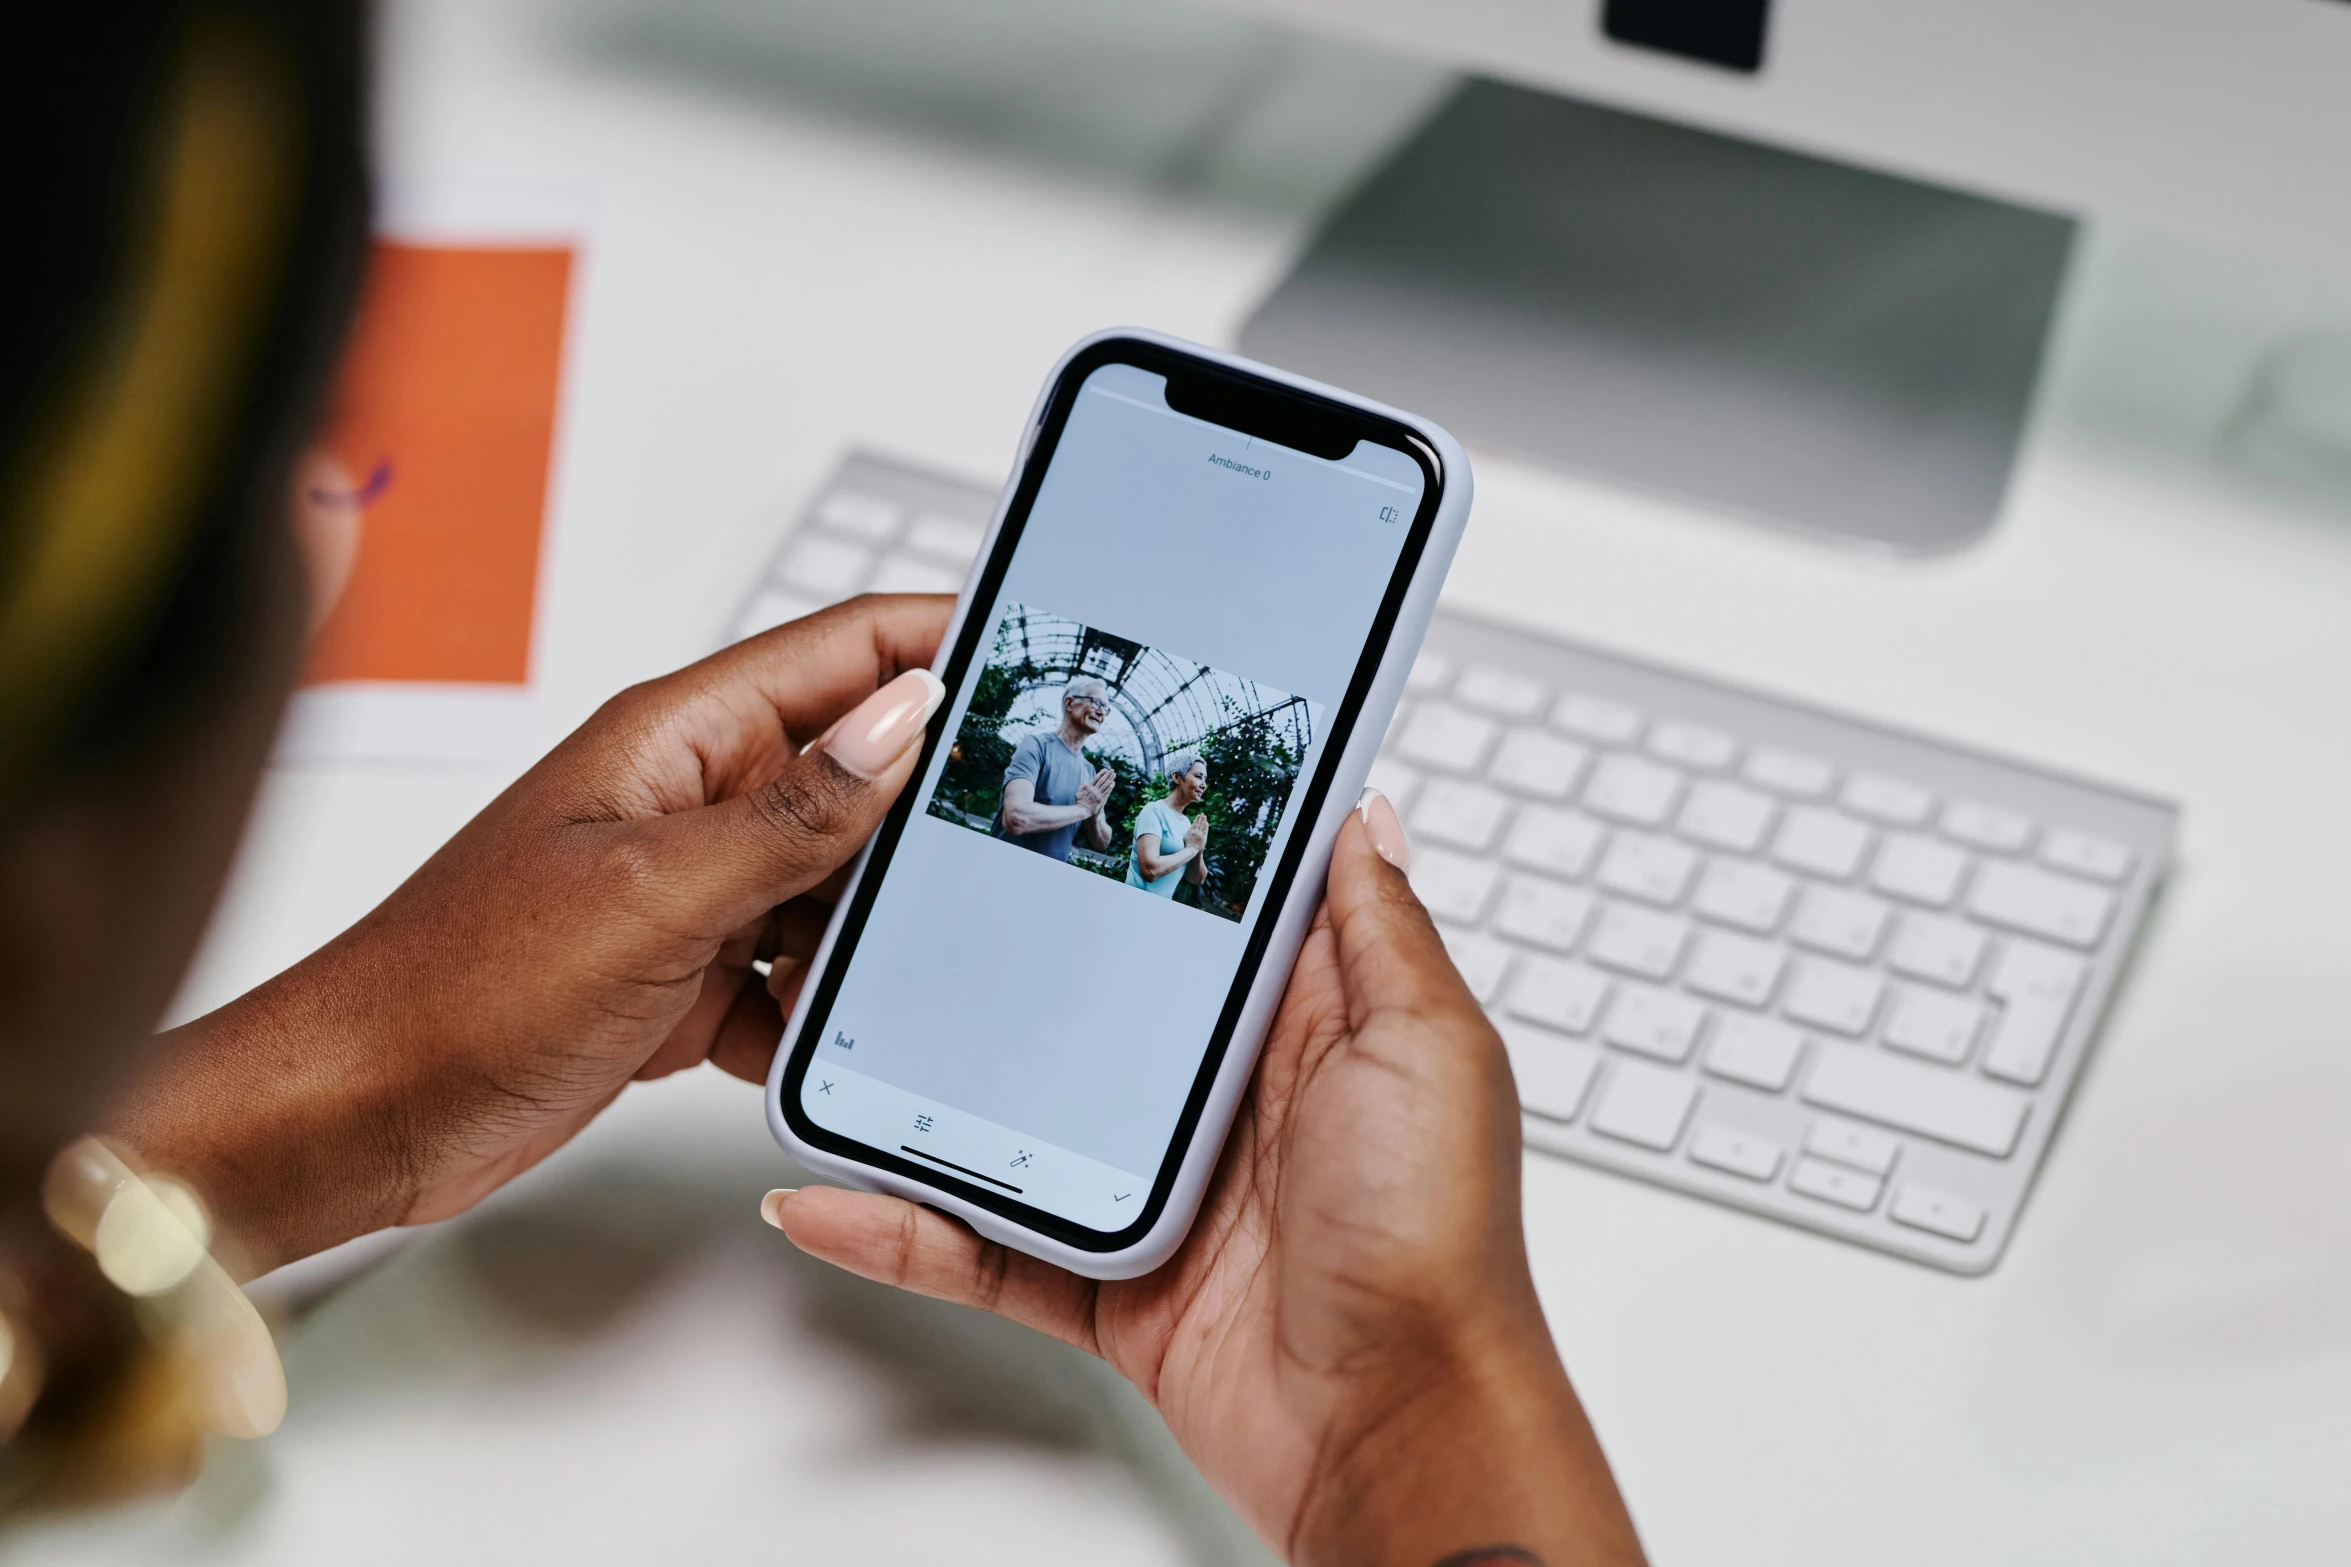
444 418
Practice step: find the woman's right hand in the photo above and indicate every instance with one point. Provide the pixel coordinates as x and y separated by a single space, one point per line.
1348 1344
1196 835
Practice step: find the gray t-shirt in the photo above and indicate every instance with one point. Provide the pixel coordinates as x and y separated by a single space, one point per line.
1057 773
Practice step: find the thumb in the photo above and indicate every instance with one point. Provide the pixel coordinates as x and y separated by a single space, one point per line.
1390 956
739 858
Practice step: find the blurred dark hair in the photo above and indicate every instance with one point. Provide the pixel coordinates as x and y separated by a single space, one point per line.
85 89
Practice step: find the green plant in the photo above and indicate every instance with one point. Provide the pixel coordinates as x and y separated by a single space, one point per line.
1251 771
971 785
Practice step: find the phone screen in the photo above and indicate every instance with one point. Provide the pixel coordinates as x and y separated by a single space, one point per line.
1061 918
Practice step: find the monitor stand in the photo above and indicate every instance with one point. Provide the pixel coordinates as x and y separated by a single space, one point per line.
1797 341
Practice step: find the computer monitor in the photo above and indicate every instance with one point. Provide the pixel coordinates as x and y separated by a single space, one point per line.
1795 259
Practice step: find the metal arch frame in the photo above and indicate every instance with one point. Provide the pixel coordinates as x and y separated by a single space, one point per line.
1057 645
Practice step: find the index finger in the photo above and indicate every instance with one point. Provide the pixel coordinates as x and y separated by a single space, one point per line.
812 670
728 724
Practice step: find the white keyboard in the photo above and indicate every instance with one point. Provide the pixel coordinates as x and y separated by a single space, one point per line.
1794 962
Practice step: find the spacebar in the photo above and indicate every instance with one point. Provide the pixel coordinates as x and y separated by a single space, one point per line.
1930 1101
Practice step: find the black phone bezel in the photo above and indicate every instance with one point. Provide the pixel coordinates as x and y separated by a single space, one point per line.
1273 409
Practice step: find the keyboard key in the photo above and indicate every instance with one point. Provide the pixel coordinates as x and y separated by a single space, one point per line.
1596 718
1752 897
1943 950
905 574
1725 816
1930 1024
1631 790
1821 842
773 608
1938 1213
1887 799
1986 826
1735 968
873 518
1692 745
1560 842
1564 996
1830 1183
1395 780
1918 870
1789 772
2079 852
1483 962
1845 923
1459 815
1834 996
1431 671
1855 1147
828 568
1446 738
1739 1153
1655 870
1535 763
1912 1097
1646 1105
2018 897
1543 913
1454 887
1653 1022
1637 941
1499 691
2036 987
1755 1051
949 538
1553 1073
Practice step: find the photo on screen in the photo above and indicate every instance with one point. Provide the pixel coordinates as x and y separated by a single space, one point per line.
1125 761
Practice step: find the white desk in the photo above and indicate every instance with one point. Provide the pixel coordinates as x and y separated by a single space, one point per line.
614 1363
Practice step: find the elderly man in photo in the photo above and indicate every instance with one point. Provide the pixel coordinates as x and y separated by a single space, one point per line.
1050 789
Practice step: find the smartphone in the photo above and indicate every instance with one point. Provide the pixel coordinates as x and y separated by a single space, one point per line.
1042 993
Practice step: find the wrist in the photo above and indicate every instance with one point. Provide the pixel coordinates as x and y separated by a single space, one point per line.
1479 1442
283 1117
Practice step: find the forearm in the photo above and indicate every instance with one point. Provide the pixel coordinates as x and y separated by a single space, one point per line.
1156 864
1493 1450
1042 818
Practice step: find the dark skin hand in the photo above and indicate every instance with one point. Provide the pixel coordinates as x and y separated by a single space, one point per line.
1348 1344
594 926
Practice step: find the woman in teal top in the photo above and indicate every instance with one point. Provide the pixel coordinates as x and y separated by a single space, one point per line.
1168 844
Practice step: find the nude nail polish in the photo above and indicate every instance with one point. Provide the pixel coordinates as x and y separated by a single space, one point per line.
771 1207
1387 832
880 729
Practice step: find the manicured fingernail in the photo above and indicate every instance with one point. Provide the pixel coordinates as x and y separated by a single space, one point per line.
1387 833
879 729
771 1207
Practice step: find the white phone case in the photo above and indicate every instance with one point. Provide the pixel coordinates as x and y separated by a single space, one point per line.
1290 922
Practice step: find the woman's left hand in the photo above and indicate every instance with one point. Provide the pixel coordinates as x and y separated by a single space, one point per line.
1196 836
594 925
